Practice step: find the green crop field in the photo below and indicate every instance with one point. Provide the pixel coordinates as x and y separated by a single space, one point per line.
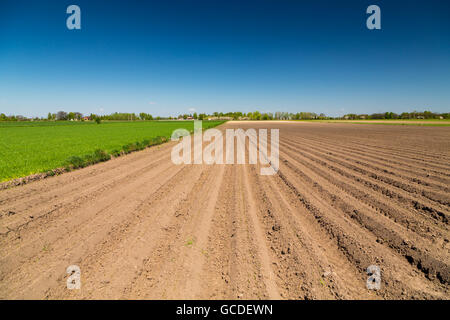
33 147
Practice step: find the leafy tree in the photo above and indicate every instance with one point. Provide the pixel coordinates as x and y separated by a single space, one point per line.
71 116
405 115
428 115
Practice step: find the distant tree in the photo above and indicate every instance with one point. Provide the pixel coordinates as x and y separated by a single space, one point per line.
77 115
351 116
306 115
428 115
61 115
405 115
71 116
390 115
145 116
256 115
377 116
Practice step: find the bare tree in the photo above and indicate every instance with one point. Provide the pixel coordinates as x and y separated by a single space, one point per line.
61 115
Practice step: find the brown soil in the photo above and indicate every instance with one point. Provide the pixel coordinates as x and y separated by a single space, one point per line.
140 227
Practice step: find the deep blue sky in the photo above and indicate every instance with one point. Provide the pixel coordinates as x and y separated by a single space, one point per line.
167 57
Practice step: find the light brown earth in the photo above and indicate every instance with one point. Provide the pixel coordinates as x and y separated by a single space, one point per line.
346 197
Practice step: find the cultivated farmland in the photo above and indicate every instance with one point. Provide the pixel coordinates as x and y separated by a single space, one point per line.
34 147
346 196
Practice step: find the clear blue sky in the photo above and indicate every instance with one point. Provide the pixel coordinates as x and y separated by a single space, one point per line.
169 57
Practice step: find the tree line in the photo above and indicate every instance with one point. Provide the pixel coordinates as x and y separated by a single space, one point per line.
256 115
403 115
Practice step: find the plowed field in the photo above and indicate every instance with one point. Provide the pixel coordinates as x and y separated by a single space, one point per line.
346 196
